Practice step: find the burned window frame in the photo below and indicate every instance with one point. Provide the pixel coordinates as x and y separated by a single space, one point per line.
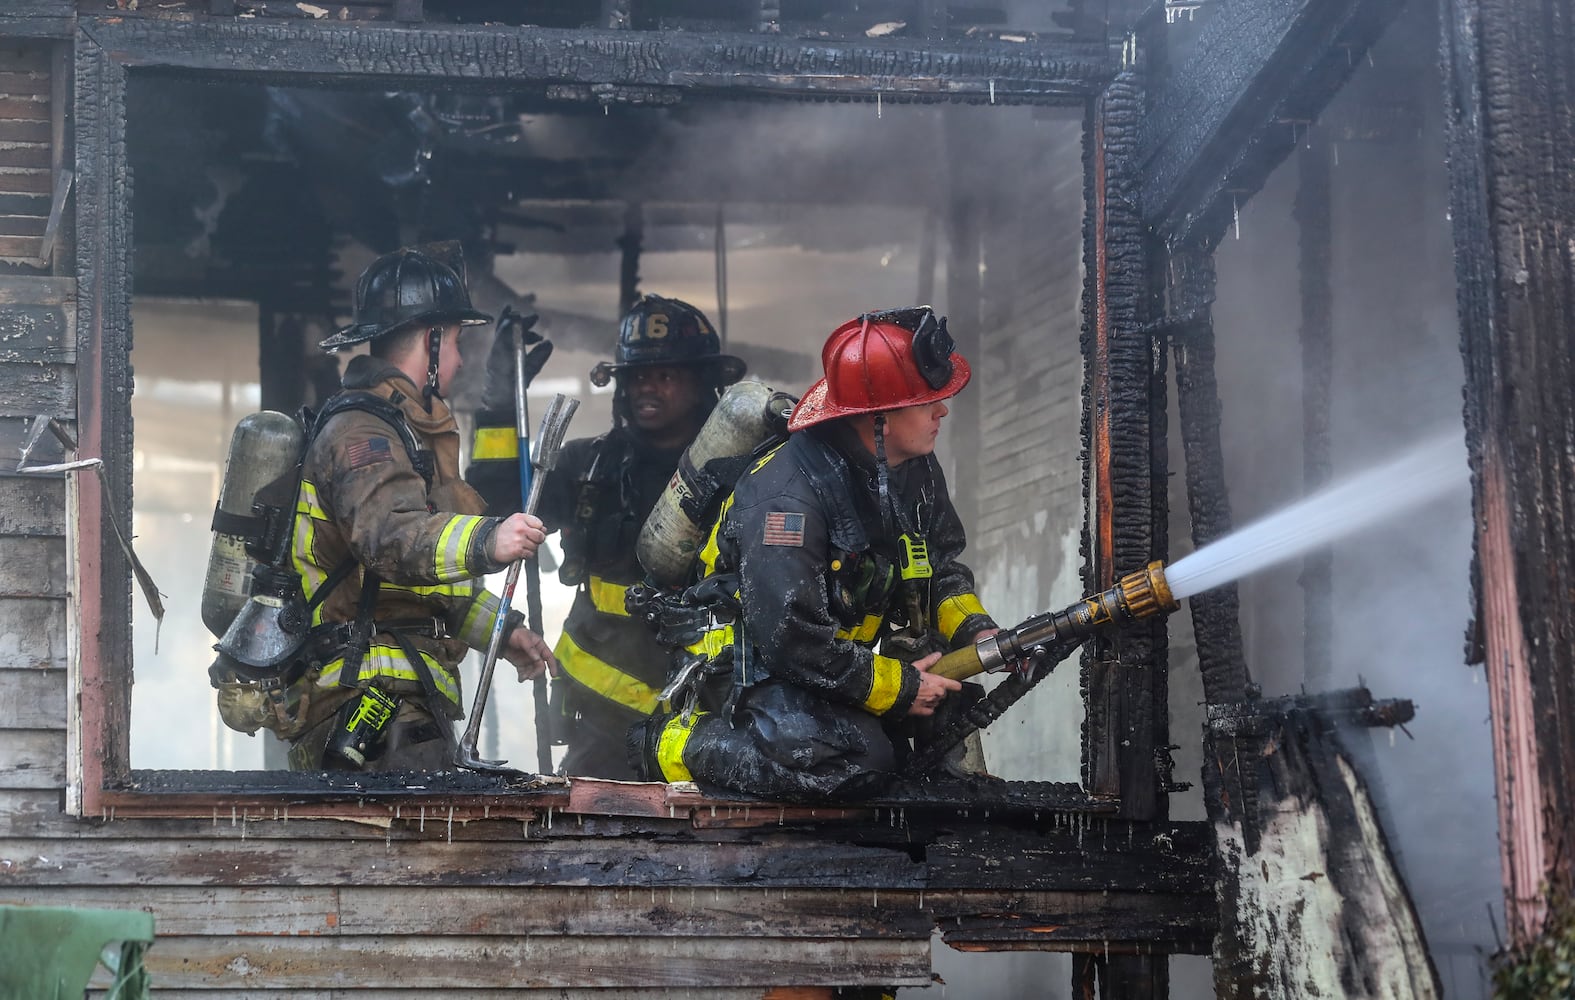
603 65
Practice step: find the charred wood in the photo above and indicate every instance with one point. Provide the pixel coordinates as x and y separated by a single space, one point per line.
1047 70
1228 114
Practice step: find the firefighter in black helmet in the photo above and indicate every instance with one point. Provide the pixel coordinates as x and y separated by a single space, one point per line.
669 371
389 541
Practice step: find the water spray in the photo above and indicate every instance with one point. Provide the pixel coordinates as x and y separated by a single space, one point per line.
1428 472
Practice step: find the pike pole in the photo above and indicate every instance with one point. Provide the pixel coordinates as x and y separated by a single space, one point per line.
543 457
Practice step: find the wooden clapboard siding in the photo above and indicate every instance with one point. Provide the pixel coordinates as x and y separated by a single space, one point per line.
32 697
32 567
32 759
33 633
32 506
459 963
31 137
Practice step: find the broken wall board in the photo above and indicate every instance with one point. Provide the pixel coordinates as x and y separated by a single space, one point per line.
1319 907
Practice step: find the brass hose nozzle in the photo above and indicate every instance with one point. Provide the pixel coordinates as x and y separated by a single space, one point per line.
1138 595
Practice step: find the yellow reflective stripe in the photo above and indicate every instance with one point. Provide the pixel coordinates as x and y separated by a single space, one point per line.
953 611
864 631
709 552
461 589
712 642
670 748
306 502
453 543
885 685
476 629
607 597
303 538
604 678
383 660
495 442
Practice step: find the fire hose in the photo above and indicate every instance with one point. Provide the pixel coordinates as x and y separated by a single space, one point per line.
1032 650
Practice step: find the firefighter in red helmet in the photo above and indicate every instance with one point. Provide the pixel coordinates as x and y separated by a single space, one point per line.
837 561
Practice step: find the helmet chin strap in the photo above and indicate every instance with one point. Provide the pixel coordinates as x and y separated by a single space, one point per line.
882 474
434 344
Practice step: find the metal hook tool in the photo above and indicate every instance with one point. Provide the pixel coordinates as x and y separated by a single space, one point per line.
35 434
544 456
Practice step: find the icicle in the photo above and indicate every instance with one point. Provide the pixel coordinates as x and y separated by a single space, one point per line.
1235 208
875 899
451 822
877 106
423 823
992 91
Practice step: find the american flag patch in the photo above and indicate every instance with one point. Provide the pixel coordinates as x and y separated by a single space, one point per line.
371 451
783 528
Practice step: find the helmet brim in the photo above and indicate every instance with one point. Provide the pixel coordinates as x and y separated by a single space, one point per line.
816 407
729 368
360 333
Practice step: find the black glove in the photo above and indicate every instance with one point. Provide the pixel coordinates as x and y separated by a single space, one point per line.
498 391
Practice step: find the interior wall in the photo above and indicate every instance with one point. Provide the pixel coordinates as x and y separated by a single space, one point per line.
1025 546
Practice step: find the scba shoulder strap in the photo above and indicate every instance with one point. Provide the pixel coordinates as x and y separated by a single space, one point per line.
369 402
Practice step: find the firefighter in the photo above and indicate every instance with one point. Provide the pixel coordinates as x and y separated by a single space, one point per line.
390 542
841 538
668 372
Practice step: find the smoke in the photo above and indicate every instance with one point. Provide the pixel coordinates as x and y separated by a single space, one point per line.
1400 590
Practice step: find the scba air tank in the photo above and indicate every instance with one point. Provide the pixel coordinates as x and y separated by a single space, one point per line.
265 447
746 416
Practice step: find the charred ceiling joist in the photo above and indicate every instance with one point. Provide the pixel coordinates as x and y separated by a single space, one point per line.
1049 70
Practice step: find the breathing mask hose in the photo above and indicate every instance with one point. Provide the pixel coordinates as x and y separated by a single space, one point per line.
1136 596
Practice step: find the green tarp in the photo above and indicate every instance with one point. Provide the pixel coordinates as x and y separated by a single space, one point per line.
49 953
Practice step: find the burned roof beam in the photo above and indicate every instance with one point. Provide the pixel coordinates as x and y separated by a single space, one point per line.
38 18
1235 108
1043 71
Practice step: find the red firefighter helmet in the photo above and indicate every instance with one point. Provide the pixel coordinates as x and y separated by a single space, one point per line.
883 361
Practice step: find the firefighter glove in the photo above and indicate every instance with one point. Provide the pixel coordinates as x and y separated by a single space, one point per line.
498 391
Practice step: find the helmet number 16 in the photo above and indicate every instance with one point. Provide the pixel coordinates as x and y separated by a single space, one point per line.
656 326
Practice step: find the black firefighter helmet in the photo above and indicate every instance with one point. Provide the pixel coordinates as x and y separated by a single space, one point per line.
423 284
658 332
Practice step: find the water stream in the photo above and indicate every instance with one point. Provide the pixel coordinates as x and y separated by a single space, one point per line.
1429 471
